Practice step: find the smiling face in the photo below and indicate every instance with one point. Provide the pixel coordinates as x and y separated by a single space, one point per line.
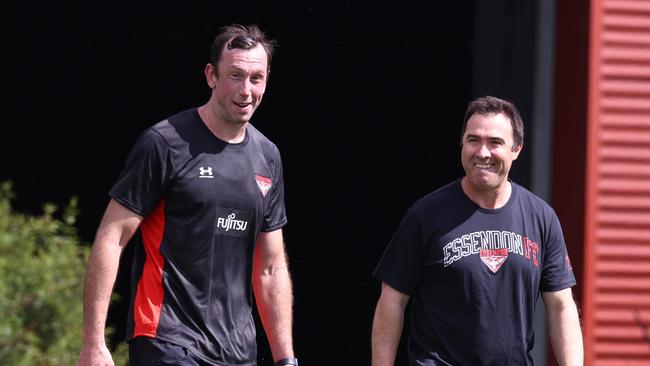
239 84
488 152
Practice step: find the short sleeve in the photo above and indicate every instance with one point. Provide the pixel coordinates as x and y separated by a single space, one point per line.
401 265
557 273
275 215
146 174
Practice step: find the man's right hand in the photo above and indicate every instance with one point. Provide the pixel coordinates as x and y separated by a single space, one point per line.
95 356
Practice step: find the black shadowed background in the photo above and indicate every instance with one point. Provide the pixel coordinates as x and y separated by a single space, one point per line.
365 103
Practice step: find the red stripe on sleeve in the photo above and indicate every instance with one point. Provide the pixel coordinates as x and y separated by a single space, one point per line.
149 294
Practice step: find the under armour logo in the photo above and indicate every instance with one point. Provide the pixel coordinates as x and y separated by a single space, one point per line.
205 172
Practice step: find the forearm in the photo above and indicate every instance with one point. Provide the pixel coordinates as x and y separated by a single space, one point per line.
565 333
100 278
386 332
117 226
273 293
115 230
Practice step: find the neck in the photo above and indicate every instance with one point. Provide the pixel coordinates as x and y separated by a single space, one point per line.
225 131
492 198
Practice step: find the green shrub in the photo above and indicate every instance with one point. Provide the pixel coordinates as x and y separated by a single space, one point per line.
42 266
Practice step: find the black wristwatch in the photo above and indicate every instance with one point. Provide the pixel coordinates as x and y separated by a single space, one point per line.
287 361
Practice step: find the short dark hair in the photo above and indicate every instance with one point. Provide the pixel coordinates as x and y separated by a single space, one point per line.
493 105
243 37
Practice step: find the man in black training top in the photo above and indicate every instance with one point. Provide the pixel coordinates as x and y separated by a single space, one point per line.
205 188
473 257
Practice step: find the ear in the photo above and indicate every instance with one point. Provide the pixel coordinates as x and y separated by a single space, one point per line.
516 151
210 75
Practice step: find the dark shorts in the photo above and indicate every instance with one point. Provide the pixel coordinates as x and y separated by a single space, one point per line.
145 351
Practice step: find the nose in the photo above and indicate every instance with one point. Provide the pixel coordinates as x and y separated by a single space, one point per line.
483 151
245 87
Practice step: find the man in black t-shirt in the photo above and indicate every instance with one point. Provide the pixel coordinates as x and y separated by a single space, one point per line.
205 190
473 257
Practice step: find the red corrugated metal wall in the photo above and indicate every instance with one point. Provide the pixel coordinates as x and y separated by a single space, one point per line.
616 289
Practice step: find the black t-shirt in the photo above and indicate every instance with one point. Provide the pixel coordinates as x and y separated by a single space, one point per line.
204 201
475 275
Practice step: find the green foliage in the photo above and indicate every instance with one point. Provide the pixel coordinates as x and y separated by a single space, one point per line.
42 265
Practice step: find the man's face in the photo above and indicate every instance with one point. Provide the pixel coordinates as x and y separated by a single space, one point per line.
487 152
239 89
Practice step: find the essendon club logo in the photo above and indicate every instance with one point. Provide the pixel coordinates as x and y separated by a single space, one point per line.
263 183
494 258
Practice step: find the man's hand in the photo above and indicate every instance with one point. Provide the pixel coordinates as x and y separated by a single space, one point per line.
95 356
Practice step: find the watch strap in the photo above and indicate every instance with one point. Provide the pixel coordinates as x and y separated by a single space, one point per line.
287 361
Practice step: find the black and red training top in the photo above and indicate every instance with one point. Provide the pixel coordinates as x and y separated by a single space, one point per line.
204 201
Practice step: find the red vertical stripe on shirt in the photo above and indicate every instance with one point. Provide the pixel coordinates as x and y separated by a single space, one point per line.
149 295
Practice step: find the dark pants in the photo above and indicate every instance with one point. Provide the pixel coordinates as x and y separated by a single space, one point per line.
145 351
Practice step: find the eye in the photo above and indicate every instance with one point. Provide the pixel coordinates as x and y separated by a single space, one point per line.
256 79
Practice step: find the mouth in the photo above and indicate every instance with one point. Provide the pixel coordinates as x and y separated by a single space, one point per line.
483 165
242 105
